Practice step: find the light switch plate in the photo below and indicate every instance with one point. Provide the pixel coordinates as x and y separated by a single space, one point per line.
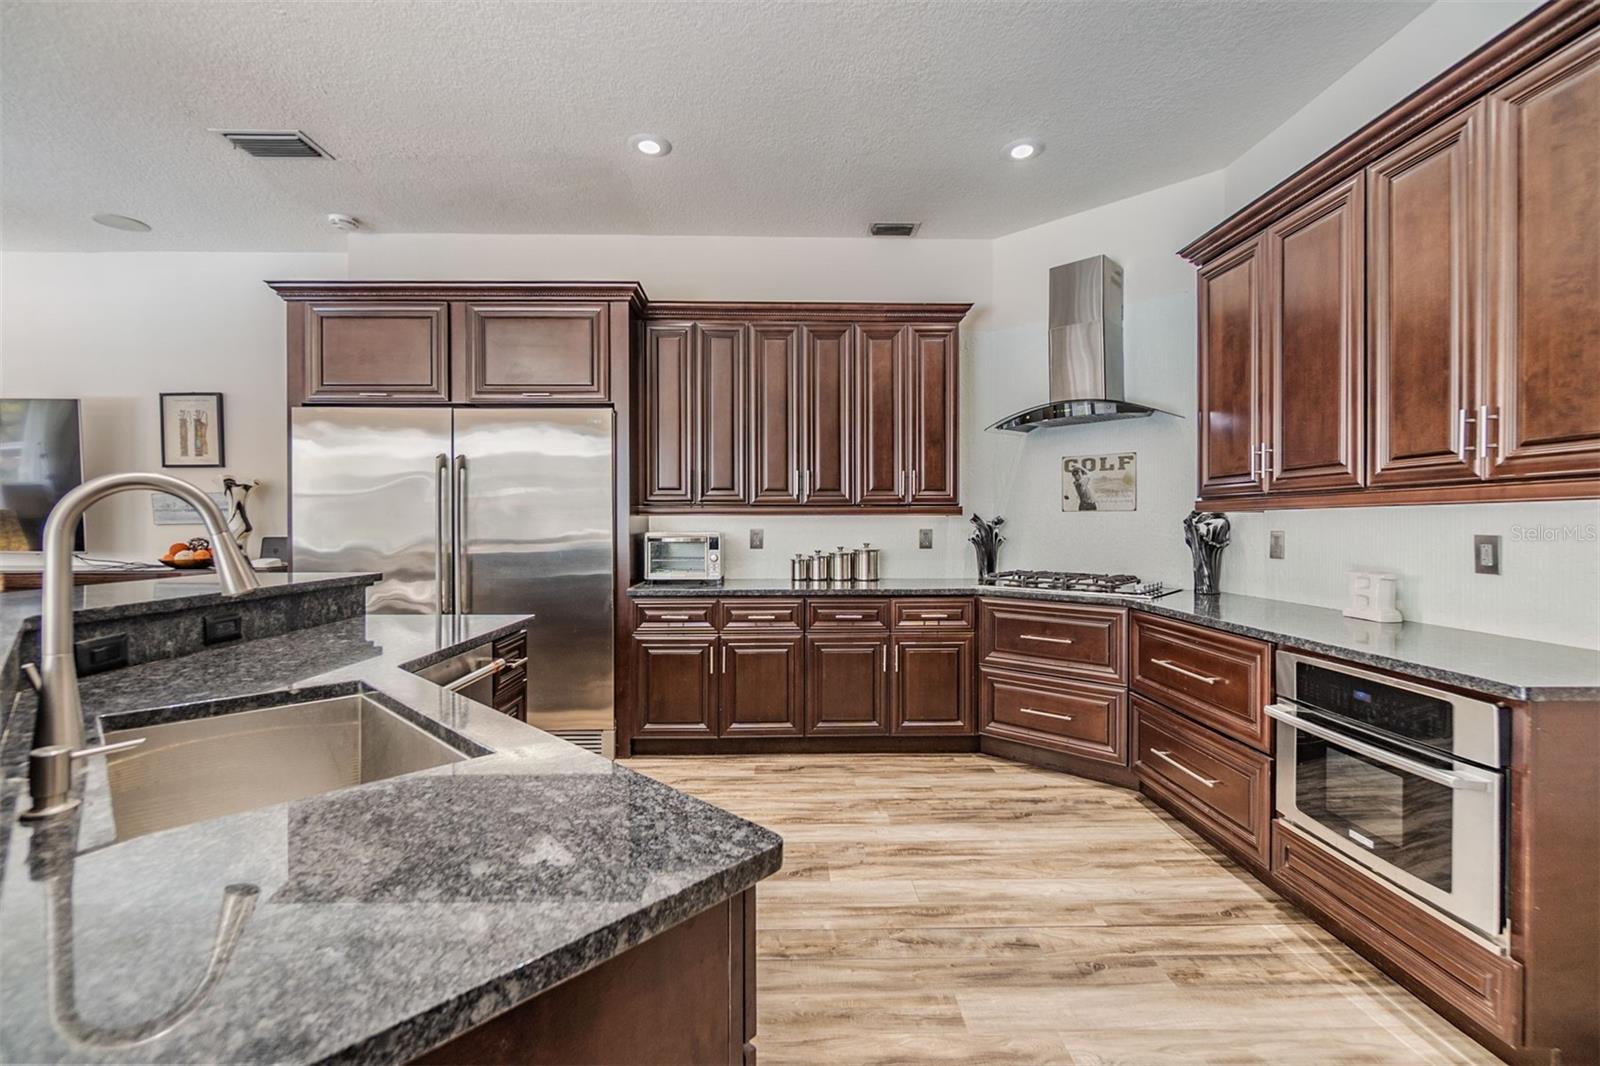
1486 553
758 539
1275 544
924 538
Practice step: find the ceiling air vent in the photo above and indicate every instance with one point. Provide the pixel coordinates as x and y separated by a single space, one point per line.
275 144
893 229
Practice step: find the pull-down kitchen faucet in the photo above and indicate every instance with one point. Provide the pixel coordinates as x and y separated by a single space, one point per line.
58 729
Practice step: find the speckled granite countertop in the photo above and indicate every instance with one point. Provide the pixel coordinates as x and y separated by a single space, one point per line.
1498 666
388 917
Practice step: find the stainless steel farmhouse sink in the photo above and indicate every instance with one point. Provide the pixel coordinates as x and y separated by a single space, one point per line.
205 768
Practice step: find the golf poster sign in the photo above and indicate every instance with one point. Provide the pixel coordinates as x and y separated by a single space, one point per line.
1100 482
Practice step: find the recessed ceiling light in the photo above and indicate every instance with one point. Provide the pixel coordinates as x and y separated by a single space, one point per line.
132 225
650 144
1017 151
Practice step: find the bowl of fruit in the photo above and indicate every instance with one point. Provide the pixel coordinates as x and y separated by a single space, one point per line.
189 555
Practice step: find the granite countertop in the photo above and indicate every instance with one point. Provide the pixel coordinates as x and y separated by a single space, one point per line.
382 919
1506 667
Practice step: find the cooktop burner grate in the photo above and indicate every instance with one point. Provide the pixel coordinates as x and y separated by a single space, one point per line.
1083 583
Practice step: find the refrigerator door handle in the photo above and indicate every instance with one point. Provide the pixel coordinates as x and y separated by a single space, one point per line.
441 505
463 595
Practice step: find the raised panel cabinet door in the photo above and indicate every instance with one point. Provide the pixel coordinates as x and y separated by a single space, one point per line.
763 680
932 685
829 365
1314 344
776 415
1424 282
1544 264
536 353
722 404
932 415
880 417
1230 374
372 352
676 686
847 685
664 415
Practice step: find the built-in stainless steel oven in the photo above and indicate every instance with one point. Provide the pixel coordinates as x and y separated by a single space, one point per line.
1406 780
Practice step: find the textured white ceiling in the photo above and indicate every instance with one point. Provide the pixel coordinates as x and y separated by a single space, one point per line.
499 117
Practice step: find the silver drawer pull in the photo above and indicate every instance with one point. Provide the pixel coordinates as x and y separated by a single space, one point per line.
933 614
761 617
850 617
1170 665
674 618
1167 758
1046 640
1035 710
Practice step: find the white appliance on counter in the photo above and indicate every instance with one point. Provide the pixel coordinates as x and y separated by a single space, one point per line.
476 511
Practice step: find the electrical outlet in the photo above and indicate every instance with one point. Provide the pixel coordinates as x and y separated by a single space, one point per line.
758 539
1486 553
1275 544
924 538
93 655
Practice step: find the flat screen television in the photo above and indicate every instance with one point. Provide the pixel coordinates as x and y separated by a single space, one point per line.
41 459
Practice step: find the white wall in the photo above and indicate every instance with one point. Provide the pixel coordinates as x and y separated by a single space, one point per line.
1425 47
117 329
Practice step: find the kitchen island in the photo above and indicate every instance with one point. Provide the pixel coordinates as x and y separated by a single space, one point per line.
503 907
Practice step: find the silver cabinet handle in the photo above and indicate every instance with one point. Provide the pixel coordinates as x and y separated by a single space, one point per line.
463 593
761 617
1035 710
1170 665
1462 780
724 658
1166 757
1486 414
674 618
1045 640
1463 442
488 669
933 614
441 581
848 617
533 394
1266 462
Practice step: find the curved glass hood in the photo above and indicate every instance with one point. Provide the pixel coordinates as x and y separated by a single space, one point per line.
1085 351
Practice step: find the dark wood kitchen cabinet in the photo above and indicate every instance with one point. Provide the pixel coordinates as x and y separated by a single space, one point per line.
1467 220
849 406
847 684
1424 295
676 685
376 352
664 414
932 684
1315 340
527 353
762 685
1543 407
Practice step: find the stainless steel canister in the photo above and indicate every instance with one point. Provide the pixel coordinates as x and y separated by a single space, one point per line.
844 564
866 563
800 568
821 566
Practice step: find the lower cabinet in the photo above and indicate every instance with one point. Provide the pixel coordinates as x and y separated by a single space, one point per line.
1072 717
1218 785
847 684
932 692
762 686
677 686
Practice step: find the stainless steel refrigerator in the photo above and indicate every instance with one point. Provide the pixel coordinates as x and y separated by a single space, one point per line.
475 511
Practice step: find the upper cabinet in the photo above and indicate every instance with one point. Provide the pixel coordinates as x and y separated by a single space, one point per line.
529 343
1415 317
840 407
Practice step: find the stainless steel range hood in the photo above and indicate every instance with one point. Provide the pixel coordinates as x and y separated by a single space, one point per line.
1085 351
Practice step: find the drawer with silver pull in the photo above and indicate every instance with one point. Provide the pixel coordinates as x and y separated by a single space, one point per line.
1218 679
1221 787
1053 639
1073 717
674 615
928 613
740 613
827 613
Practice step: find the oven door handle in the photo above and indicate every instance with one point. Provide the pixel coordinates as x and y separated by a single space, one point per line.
1465 781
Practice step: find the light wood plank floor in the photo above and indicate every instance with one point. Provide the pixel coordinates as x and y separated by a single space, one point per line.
964 909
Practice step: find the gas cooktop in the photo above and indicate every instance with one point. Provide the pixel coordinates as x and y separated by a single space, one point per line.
1086 584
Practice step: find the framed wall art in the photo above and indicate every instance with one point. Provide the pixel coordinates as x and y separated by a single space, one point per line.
191 429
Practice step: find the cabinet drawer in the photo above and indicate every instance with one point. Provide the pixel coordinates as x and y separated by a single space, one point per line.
674 615
512 646
758 614
1218 679
1220 787
829 614
933 614
1084 642
1090 721
1442 964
